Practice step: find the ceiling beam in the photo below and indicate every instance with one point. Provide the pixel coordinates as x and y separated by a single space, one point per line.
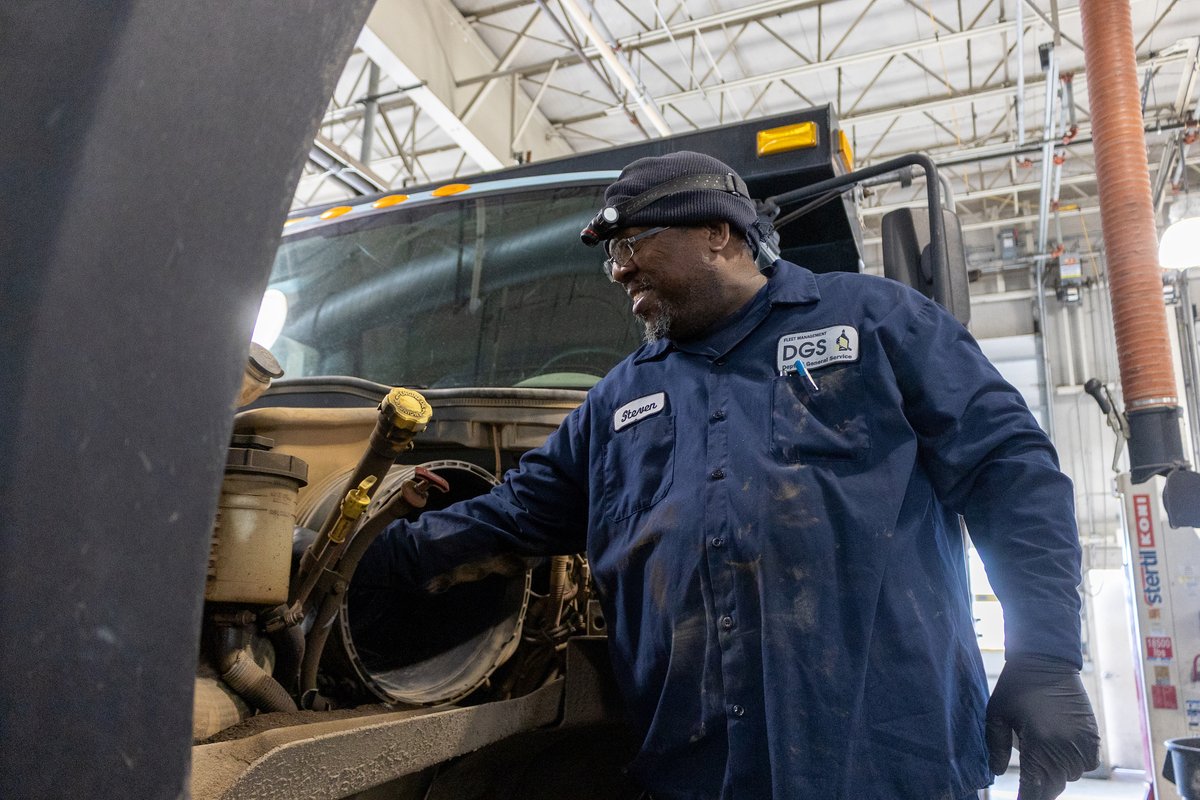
748 13
802 70
411 42
345 168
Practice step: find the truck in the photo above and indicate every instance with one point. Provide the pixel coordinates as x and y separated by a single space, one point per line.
474 306
186 622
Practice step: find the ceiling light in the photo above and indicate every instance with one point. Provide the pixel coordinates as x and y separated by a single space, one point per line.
1179 247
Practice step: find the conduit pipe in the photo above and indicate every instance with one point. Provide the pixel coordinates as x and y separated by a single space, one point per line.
1127 218
1020 48
1039 272
623 75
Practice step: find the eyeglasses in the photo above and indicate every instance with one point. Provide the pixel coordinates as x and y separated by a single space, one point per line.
621 250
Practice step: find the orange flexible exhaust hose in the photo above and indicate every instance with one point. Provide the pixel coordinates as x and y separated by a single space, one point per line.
1126 209
1127 218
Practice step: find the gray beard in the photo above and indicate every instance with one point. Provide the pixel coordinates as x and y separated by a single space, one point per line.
659 327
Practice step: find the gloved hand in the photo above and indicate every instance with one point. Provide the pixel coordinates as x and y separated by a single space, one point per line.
506 564
1042 700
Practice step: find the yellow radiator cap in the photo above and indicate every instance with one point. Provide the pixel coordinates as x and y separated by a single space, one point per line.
408 409
788 137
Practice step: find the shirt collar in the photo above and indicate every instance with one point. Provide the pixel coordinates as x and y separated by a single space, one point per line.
787 284
653 351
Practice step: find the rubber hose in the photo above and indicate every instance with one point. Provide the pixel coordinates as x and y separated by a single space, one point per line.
255 686
289 653
330 604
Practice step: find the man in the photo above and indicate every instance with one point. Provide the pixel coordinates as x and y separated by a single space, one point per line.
770 490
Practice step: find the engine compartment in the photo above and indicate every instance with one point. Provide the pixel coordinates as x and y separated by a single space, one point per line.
293 658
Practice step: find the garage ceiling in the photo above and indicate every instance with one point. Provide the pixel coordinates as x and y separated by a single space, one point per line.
442 88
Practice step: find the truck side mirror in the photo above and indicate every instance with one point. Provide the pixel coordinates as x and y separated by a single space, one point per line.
906 258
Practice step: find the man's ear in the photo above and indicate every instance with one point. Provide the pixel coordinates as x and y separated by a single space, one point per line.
719 234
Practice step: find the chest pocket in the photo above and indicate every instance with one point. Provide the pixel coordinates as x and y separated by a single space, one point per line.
828 425
639 466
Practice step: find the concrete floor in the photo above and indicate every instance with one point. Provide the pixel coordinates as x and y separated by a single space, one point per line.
1124 785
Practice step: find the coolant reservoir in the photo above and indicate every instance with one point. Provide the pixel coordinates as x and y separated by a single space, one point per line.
251 556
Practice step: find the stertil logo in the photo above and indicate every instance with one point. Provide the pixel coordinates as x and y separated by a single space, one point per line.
818 348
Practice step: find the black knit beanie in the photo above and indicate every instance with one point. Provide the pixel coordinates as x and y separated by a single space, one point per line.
688 207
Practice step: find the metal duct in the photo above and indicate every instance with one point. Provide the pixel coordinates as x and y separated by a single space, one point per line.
1127 216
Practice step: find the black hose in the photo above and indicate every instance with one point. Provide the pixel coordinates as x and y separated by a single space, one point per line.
289 654
330 601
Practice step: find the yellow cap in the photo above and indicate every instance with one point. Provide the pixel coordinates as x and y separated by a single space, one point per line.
408 409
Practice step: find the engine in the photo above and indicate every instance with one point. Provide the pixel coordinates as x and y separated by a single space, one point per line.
311 480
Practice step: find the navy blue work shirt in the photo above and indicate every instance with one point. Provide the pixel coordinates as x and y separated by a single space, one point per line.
782 569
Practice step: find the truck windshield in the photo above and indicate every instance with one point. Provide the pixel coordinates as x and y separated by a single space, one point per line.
490 290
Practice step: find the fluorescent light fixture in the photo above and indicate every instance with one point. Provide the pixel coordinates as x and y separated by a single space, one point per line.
271 316
1180 245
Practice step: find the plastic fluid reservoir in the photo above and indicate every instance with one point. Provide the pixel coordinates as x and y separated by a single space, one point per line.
251 556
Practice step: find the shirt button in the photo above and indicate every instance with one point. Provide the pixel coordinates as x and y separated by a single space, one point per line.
721 363
717 474
737 710
727 622
718 415
718 541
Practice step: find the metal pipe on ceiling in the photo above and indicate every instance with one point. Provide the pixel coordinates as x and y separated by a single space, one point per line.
644 101
1020 50
1048 135
574 45
371 112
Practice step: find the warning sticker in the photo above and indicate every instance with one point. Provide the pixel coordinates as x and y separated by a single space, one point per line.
1158 648
1164 696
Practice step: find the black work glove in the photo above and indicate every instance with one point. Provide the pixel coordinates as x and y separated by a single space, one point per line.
507 564
1041 699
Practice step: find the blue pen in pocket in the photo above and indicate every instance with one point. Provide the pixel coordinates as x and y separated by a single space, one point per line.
798 368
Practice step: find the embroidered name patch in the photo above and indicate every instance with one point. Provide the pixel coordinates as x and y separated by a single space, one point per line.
639 409
818 348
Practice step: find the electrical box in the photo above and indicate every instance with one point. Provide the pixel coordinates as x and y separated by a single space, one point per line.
1069 288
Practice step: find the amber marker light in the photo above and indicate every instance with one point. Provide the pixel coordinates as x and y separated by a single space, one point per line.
389 201
787 138
336 211
449 189
847 152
